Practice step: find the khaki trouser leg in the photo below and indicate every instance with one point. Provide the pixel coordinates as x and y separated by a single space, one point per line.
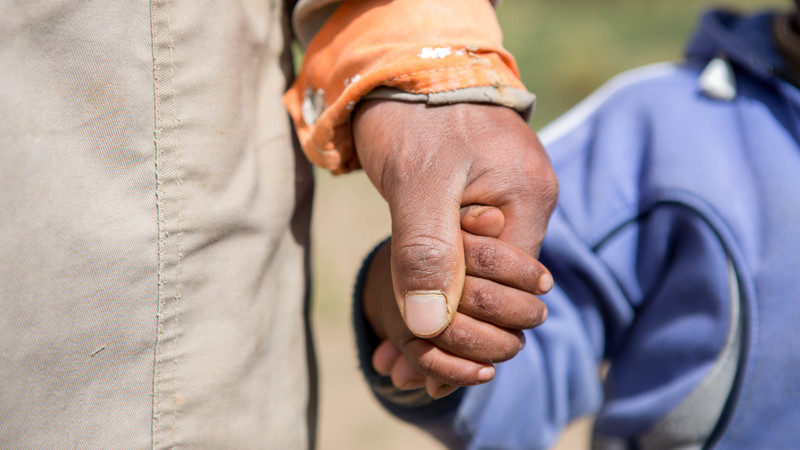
153 228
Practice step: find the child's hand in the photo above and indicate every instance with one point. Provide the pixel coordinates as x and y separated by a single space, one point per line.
498 301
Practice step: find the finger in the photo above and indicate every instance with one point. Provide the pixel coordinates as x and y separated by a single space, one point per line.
501 305
405 377
385 357
482 220
445 367
499 261
479 341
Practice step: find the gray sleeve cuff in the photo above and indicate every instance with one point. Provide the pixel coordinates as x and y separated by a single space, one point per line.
522 101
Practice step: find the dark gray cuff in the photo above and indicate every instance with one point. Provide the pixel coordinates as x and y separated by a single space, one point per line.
522 101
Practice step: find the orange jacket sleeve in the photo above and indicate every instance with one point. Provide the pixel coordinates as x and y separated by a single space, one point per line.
415 46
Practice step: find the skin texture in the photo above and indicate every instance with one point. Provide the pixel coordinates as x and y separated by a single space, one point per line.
429 162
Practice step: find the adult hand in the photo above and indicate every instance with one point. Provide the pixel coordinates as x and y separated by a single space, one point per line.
428 162
498 301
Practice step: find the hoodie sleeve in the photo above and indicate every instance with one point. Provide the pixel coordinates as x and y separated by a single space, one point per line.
434 51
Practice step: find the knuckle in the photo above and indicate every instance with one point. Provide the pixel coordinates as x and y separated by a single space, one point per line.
424 256
461 338
484 299
547 188
542 182
486 257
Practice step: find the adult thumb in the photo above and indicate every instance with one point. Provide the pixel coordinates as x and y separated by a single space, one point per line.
414 155
428 268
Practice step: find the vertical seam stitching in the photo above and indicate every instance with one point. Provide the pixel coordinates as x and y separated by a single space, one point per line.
180 219
156 418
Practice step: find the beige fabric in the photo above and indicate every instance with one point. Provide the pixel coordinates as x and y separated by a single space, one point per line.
153 228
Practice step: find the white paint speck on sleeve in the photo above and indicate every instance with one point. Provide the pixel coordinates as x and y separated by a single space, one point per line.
435 52
353 79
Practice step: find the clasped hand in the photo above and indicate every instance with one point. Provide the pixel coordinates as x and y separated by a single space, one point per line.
451 293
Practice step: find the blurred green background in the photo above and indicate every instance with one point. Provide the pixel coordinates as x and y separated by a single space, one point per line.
565 50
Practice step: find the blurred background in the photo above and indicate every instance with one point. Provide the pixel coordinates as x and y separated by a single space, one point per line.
565 50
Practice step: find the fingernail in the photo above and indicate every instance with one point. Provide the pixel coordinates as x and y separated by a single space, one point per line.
486 374
425 312
545 282
477 212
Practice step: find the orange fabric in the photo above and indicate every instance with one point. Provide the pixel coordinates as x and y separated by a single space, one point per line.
417 46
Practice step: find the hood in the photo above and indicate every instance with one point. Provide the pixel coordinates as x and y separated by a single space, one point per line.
745 41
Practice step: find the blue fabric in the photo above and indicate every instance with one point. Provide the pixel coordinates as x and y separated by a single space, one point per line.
660 187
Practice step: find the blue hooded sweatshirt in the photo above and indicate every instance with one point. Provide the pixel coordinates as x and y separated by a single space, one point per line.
676 256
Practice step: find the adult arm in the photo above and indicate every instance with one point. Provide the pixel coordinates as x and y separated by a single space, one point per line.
427 159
